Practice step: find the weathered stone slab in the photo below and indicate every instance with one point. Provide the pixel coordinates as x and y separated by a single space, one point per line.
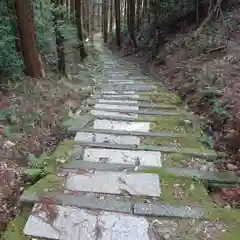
137 184
97 113
131 103
123 157
121 125
107 167
135 133
186 151
115 107
112 92
74 224
117 101
145 111
98 137
79 121
166 210
92 201
119 96
126 87
208 176
117 82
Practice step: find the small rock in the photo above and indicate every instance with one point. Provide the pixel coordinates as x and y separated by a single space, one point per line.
204 168
238 173
231 167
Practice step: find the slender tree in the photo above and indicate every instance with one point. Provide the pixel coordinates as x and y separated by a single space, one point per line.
59 38
117 21
26 27
110 15
82 51
131 23
105 21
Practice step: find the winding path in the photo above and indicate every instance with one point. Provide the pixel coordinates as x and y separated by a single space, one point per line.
138 169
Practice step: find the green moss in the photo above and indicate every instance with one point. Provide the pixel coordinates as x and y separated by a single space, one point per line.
61 155
15 227
232 232
186 191
162 95
51 183
184 142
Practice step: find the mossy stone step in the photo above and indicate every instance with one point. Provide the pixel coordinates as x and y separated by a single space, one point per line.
139 104
186 151
145 112
132 133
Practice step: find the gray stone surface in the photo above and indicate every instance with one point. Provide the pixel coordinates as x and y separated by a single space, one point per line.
137 87
99 137
116 114
113 92
145 158
117 101
73 166
121 125
135 133
93 202
166 210
115 106
137 184
145 111
74 224
219 177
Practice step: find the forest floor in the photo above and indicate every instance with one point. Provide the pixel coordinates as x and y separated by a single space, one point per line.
32 111
205 73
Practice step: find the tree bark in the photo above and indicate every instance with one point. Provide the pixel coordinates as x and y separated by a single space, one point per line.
82 51
105 21
111 15
59 41
118 24
131 24
26 26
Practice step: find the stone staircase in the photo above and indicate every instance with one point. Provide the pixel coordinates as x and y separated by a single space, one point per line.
138 170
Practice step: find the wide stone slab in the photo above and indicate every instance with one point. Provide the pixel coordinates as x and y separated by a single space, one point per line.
137 184
130 116
123 156
117 101
165 210
121 125
111 92
116 107
73 224
98 137
90 201
132 87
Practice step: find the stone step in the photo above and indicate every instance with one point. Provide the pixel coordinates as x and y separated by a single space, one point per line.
114 115
131 103
128 87
123 97
113 92
119 183
214 179
95 202
186 151
131 157
115 107
110 138
145 112
121 125
133 133
73 224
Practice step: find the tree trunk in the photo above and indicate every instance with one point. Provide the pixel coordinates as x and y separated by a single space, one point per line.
82 51
59 40
138 12
117 20
131 24
105 21
99 15
26 26
111 16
